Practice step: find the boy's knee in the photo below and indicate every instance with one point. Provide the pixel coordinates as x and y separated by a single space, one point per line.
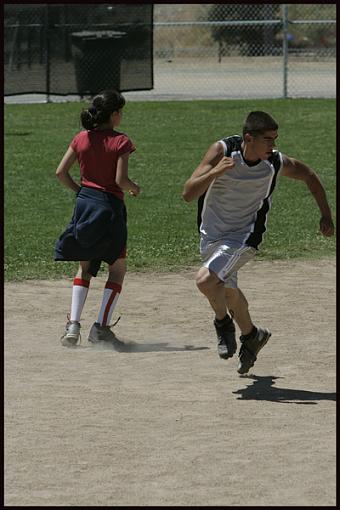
206 281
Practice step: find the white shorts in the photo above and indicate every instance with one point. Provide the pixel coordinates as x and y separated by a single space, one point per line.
226 259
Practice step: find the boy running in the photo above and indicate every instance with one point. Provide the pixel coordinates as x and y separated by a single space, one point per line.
234 184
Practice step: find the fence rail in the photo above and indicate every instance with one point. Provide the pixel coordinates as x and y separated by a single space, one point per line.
77 49
239 56
198 50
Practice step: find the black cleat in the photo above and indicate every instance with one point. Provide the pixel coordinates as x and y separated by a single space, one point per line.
250 348
226 341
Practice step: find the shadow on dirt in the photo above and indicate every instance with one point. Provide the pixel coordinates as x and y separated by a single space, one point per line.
263 389
132 347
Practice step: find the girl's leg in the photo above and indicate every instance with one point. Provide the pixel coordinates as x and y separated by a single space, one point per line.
80 289
112 291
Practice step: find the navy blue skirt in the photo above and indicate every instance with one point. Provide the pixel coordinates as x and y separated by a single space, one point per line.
97 231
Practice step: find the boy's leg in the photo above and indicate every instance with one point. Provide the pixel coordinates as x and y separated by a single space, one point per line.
213 288
220 269
252 338
238 308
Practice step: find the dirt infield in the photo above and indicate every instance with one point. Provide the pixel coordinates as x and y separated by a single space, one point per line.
165 422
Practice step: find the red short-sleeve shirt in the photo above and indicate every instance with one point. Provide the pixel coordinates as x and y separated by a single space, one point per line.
98 153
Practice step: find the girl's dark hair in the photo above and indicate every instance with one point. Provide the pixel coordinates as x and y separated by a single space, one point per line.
257 123
102 107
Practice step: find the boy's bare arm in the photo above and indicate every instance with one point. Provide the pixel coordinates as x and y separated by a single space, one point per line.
297 170
212 165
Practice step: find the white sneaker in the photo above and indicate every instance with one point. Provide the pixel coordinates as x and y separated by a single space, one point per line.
72 334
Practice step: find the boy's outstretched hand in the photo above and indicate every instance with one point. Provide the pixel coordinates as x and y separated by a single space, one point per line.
326 226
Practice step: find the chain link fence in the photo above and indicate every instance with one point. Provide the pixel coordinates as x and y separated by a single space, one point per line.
244 51
77 49
208 51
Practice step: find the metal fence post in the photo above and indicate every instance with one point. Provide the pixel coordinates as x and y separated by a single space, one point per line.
285 48
48 63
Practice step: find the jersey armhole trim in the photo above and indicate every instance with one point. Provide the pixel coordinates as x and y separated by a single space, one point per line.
225 148
281 164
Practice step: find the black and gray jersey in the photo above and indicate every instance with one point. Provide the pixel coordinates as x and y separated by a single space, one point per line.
235 206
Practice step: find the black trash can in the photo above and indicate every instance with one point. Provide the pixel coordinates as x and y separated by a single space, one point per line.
97 59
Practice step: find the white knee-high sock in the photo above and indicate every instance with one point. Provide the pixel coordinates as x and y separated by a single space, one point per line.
110 297
79 295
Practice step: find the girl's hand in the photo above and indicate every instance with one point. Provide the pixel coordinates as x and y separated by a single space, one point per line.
135 190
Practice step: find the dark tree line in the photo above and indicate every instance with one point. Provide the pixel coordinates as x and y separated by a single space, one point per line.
252 39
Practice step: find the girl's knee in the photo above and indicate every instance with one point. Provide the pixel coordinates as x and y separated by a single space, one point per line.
85 276
117 271
115 274
83 271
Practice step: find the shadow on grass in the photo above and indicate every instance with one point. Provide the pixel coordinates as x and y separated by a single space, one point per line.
263 389
17 134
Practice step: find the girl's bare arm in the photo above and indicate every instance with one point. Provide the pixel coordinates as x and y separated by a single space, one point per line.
63 170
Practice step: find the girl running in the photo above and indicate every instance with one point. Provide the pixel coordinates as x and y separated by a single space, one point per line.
98 230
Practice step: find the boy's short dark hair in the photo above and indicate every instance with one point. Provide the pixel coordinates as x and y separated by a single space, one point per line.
258 122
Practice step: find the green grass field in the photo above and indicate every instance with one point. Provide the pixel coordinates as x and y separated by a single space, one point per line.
171 138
